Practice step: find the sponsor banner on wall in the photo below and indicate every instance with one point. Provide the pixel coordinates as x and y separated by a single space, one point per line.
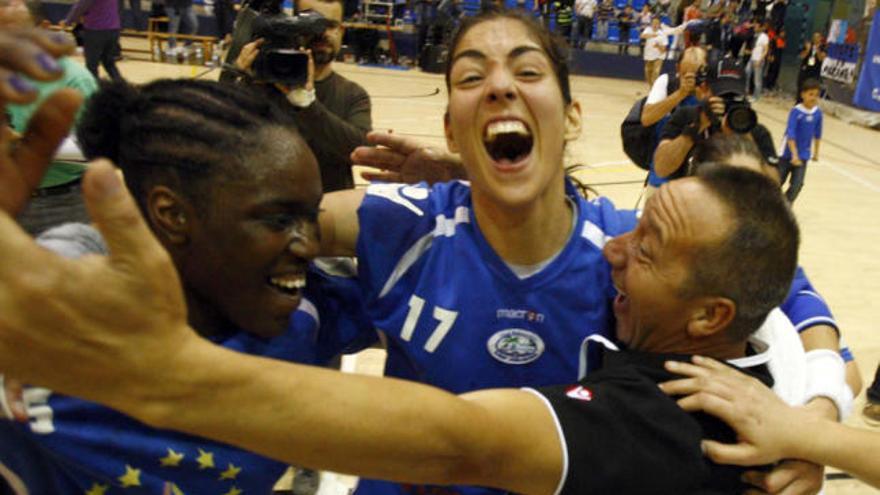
841 63
868 90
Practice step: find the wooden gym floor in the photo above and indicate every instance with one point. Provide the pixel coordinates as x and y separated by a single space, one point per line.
838 209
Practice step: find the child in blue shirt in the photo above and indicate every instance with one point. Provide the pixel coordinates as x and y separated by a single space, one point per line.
804 125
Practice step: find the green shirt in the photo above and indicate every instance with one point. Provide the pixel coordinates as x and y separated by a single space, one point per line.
75 76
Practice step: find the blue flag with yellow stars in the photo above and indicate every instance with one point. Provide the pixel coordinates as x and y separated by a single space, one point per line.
71 446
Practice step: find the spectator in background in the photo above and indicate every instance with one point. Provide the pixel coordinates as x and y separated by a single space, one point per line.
694 32
755 66
660 7
774 58
762 10
180 12
645 17
626 19
745 10
564 16
137 17
731 8
644 21
812 55
100 21
224 14
425 13
777 15
58 199
725 34
583 22
543 8
742 37
713 12
604 14
656 46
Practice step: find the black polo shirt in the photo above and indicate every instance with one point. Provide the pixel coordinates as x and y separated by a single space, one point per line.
623 435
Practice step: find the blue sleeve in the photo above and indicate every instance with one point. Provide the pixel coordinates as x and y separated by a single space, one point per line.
625 222
819 119
345 327
805 307
791 127
393 219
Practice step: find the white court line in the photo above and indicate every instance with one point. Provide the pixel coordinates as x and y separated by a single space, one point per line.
853 177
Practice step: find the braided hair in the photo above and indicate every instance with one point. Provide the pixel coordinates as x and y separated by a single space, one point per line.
179 132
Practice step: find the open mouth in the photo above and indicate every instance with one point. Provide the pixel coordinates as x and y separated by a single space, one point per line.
290 285
507 141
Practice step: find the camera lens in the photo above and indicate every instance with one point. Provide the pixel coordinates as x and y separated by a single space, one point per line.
287 67
742 119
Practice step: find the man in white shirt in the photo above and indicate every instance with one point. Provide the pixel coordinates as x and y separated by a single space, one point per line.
656 45
583 22
756 62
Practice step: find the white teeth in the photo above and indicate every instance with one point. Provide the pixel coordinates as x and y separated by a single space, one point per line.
287 283
494 129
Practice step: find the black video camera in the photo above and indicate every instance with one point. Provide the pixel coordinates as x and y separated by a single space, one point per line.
280 59
727 81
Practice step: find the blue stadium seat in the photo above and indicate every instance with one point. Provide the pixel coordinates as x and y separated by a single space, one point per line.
619 4
638 4
634 36
613 32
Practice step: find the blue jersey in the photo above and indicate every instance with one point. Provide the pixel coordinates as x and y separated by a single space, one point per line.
804 125
456 316
72 446
806 308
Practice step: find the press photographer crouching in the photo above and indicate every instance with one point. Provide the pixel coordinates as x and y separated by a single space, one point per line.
720 89
291 58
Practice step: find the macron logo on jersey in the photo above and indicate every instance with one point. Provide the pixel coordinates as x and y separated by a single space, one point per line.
520 314
578 392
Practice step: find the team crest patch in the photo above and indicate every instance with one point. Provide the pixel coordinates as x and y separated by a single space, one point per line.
578 392
515 346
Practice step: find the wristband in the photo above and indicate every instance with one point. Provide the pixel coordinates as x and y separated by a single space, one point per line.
301 97
826 377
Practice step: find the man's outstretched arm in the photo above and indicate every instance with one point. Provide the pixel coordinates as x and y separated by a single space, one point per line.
376 427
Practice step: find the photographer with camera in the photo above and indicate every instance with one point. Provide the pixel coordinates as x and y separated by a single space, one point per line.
720 89
643 125
292 57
